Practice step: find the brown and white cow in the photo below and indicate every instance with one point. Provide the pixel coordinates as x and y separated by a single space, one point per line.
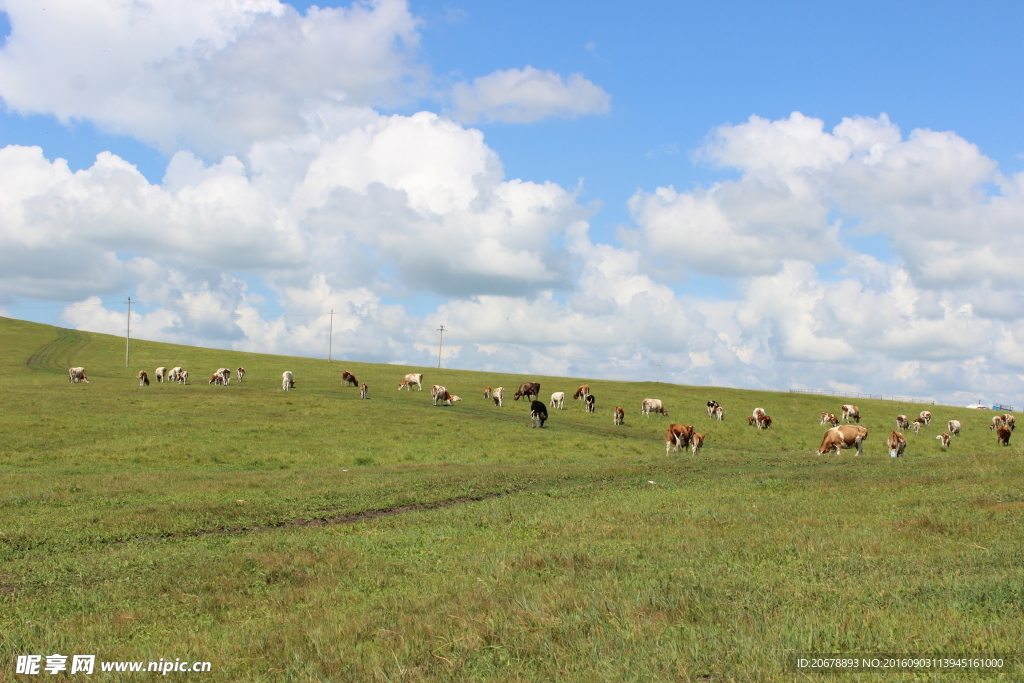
696 442
902 422
944 440
175 375
1003 436
712 407
287 380
851 414
677 436
897 444
752 420
530 390
216 378
487 392
348 379
758 411
720 413
844 436
1009 421
183 377
618 416
498 395
143 378
76 375
160 374
221 376
954 427
764 422
582 393
652 405
452 398
829 418
364 391
997 422
240 373
918 424
439 393
410 379
926 416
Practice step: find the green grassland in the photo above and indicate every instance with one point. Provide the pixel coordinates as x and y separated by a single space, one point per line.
312 536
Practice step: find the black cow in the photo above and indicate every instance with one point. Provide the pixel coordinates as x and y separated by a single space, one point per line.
538 413
530 390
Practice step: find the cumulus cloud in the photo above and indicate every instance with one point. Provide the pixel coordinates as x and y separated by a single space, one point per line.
527 95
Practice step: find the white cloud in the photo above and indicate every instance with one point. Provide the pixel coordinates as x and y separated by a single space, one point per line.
527 95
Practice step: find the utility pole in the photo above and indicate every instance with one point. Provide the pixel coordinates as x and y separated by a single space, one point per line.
330 338
657 375
128 333
441 341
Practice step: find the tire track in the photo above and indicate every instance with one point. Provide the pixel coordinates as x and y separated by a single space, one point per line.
59 354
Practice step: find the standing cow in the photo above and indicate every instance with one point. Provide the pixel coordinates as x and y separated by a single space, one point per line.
591 403
183 377
897 444
410 379
558 400
954 427
160 374
582 393
240 373
844 436
76 375
487 392
926 416
943 440
287 380
363 391
902 422
538 413
348 379
677 436
696 442
712 407
1003 436
498 395
618 416
143 378
530 390
851 414
652 405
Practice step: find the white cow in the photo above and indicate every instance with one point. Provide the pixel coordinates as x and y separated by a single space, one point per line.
558 400
287 380
719 413
174 375
652 405
161 374
498 396
76 375
954 427
225 373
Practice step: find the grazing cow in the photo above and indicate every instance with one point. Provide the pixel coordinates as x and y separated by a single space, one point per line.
591 401
160 374
240 373
758 411
530 390
764 422
652 405
174 375
538 414
696 442
558 400
997 422
143 378
287 380
76 375
410 379
498 395
582 393
829 418
618 416
897 444
844 436
918 423
1003 436
677 436
926 416
851 414
222 376
363 389
902 422
719 413
1009 421
751 420
954 427
712 407
183 377
348 379
216 379
487 392
439 393
944 439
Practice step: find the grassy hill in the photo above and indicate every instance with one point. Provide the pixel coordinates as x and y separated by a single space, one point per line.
311 535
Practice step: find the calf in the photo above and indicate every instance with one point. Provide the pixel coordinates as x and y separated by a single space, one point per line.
363 389
618 416
582 393
851 414
918 423
764 422
897 444
677 436
76 375
287 380
954 427
530 390
183 377
652 405
498 395
538 414
751 420
590 403
487 392
712 407
410 379
1003 436
926 416
240 373
558 400
143 378
348 379
902 422
829 418
160 374
845 436
719 413
452 398
944 439
696 442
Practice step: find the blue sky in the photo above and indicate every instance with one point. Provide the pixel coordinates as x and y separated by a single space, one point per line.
653 151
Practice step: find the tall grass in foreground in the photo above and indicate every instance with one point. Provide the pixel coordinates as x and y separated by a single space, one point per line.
601 559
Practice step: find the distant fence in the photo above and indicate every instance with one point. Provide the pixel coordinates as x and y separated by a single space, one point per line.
853 394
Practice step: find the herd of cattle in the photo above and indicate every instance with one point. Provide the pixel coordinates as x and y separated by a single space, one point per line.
838 437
